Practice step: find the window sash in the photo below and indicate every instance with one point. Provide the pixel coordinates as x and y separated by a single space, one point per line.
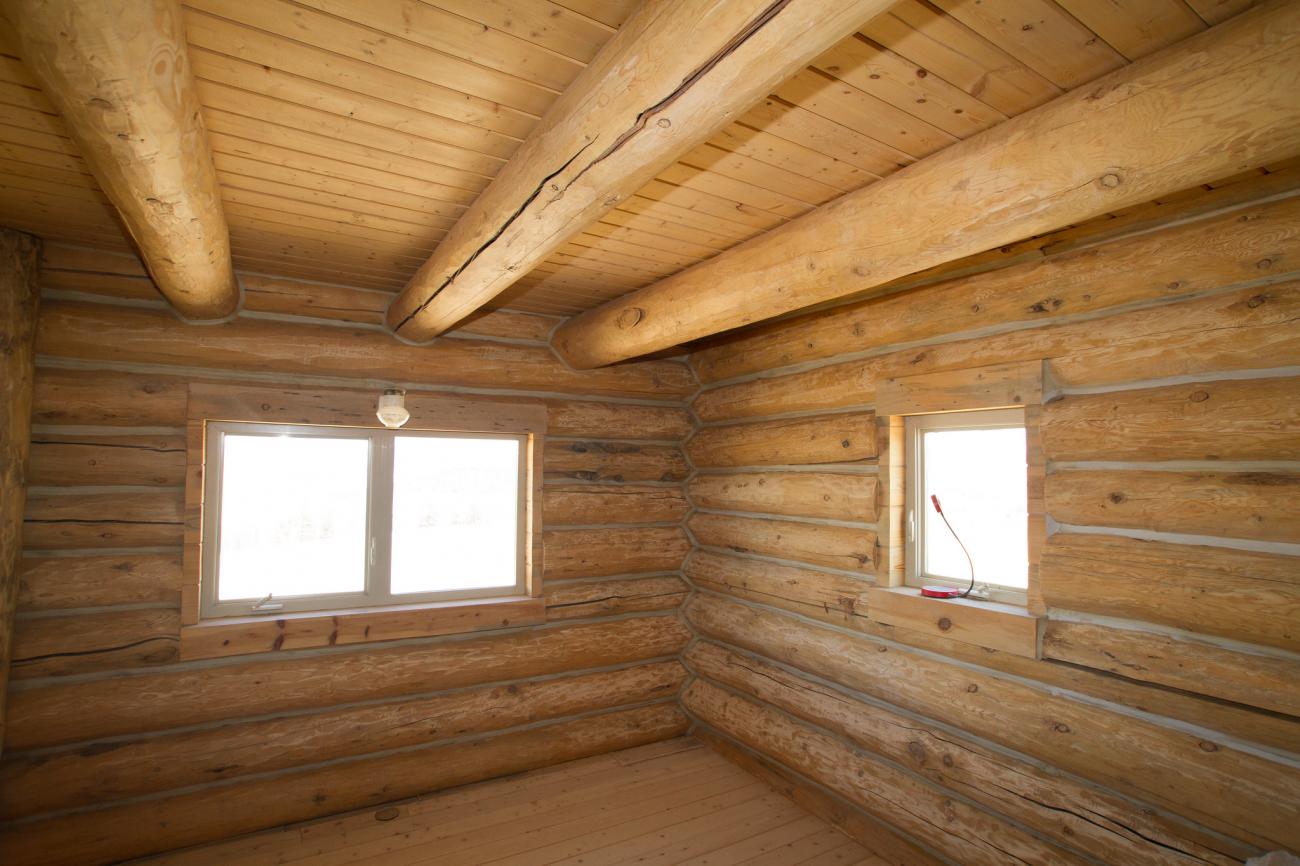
916 426
377 586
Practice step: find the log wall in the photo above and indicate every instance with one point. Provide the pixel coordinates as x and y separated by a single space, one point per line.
117 748
1159 723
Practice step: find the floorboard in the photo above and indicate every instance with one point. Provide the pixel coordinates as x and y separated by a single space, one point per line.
673 802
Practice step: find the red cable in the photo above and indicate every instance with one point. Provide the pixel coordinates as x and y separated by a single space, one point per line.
969 561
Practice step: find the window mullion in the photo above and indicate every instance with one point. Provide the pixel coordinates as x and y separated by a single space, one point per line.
379 575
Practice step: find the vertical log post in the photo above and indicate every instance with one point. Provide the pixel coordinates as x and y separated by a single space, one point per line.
19 299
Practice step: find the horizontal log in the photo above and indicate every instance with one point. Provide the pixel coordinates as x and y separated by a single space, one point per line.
366 306
1209 253
1073 814
1224 332
121 832
1243 595
130 334
1255 505
1235 791
249 635
111 398
73 712
84 643
843 547
347 407
613 461
816 596
589 504
77 459
265 294
600 552
876 836
829 495
511 324
1236 419
1267 682
88 520
994 387
955 828
833 598
607 597
827 439
618 420
96 776
59 582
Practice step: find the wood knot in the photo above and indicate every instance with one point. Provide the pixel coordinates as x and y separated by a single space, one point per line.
663 123
1110 180
916 750
630 317
944 623
1061 728
1199 396
972 688
844 443
1207 746
388 813
1264 264
1116 497
1257 301
921 73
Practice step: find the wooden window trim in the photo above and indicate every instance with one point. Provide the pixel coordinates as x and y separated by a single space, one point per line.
994 625
353 408
990 624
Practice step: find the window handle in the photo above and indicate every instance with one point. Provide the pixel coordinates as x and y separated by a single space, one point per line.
267 605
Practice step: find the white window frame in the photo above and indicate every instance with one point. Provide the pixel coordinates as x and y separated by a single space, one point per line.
377 591
914 548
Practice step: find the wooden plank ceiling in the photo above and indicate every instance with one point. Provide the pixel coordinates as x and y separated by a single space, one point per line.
349 135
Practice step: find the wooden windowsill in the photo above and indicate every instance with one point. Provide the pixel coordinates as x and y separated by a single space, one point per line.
269 632
989 624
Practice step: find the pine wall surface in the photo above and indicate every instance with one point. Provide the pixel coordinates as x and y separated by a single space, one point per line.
116 747
1162 722
711 552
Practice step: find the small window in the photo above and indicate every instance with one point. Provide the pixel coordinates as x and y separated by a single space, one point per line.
305 518
974 462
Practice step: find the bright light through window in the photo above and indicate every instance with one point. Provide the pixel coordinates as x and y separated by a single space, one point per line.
975 463
327 518
293 516
455 507
979 477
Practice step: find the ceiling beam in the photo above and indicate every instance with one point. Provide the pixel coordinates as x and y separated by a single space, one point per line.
673 75
119 73
1206 108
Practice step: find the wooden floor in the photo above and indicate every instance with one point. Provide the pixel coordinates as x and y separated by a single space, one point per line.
671 802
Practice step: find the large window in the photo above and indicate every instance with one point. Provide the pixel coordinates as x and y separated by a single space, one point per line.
974 463
307 518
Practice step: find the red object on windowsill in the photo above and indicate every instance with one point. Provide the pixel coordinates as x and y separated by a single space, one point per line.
940 591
